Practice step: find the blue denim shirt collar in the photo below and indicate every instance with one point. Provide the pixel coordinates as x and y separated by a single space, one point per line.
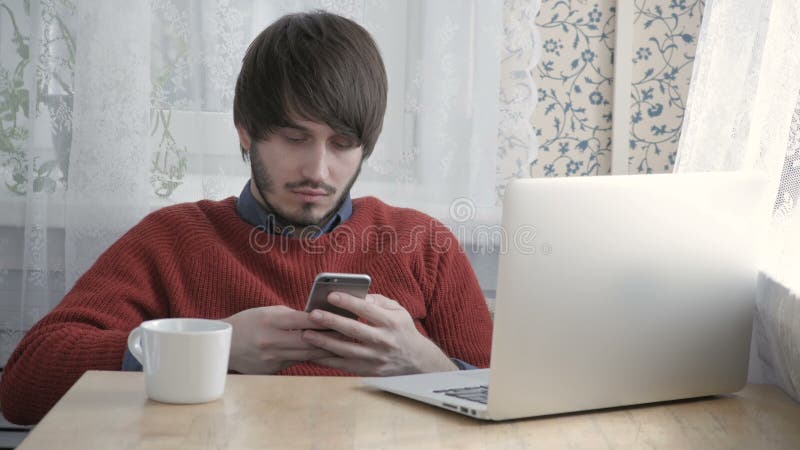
251 212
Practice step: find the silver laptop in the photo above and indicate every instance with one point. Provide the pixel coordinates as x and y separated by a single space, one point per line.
611 291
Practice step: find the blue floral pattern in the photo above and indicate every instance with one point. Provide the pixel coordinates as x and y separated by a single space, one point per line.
665 37
573 117
575 79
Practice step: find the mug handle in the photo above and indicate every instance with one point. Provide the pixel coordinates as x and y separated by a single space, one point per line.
135 344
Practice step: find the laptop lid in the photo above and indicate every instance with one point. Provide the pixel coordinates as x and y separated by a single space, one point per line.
617 290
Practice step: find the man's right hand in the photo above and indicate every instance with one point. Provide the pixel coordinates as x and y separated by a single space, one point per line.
268 339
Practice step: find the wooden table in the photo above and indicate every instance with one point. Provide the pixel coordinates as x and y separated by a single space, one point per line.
106 410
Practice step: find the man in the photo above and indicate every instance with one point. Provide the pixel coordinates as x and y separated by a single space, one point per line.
308 108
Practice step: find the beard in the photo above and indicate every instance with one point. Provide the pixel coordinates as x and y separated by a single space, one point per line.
305 218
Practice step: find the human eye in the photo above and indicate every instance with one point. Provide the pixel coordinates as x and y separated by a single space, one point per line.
294 138
344 143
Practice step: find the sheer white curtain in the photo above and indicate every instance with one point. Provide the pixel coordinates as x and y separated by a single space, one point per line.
112 109
743 113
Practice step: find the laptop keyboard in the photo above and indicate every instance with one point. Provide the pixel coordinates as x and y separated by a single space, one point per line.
478 394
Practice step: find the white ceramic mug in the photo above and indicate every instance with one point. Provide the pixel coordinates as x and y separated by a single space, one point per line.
184 360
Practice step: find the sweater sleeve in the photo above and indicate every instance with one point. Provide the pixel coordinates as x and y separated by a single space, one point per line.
89 328
458 318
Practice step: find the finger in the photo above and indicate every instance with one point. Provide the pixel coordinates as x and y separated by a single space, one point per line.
354 366
283 340
333 333
373 308
285 318
310 354
338 346
346 326
386 303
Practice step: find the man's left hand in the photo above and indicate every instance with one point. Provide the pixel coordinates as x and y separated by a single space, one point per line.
387 344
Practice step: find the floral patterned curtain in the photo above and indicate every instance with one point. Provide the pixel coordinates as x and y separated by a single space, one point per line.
575 81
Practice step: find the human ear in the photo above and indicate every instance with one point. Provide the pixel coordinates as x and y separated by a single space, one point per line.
244 138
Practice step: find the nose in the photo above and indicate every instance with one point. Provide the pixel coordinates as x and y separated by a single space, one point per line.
315 164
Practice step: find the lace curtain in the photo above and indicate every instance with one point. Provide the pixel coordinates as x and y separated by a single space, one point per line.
111 109
743 113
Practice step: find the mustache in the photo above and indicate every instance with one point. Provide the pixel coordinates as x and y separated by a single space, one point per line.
312 185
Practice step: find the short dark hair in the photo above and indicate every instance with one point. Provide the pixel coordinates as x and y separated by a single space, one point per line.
315 66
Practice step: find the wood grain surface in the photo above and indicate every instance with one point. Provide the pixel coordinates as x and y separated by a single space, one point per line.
109 410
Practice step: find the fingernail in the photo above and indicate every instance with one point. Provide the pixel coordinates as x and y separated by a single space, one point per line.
316 314
335 297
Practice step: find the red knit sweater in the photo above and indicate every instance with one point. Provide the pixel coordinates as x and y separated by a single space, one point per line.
202 260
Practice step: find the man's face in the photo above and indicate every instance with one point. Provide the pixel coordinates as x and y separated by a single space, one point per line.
302 173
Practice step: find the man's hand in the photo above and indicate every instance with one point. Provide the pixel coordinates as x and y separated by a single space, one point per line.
388 344
268 339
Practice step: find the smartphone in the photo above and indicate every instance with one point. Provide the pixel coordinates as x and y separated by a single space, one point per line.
355 284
